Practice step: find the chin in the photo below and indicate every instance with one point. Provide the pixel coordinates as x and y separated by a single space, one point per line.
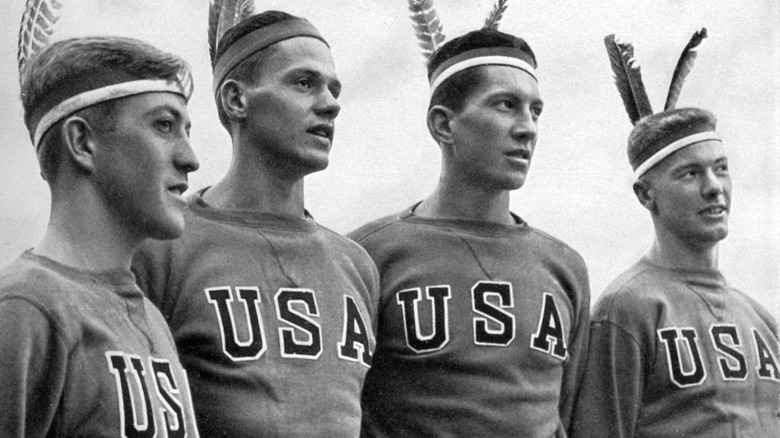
168 229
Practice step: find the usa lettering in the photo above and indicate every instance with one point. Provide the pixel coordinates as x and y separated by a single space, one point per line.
684 349
300 332
493 323
138 416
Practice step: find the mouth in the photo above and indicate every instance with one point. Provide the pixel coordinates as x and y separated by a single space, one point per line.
178 189
323 130
523 154
714 210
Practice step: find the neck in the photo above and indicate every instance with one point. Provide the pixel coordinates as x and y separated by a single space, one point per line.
672 252
254 182
82 233
457 199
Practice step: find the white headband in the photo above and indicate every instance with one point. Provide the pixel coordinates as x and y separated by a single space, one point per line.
672 148
483 60
98 95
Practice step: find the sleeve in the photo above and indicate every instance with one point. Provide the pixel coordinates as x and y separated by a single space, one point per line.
611 390
33 366
574 369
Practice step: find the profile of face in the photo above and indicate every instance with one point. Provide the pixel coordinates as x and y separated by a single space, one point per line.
291 110
689 193
494 135
141 164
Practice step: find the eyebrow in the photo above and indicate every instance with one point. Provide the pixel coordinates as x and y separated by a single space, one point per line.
698 164
175 112
315 74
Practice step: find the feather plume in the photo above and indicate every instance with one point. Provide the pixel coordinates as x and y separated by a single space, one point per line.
684 65
214 7
492 21
628 79
224 14
38 22
427 26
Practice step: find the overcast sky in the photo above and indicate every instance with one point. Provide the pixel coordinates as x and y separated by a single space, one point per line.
383 159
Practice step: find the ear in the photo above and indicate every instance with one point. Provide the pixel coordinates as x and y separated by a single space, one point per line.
439 124
233 99
646 196
79 139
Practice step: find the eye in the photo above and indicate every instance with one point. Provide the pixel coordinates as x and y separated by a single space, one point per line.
722 169
305 83
536 111
506 104
164 125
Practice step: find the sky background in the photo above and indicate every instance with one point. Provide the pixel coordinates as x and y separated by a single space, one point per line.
383 159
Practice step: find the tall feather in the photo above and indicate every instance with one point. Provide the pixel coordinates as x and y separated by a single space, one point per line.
492 21
628 79
427 26
38 22
224 14
684 65
215 6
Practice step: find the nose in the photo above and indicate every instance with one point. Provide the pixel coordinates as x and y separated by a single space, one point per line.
712 186
525 125
185 159
327 104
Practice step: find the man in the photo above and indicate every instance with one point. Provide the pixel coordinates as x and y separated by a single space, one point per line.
675 350
83 352
272 313
483 319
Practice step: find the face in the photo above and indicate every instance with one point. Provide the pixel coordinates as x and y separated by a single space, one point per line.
494 136
691 191
292 108
141 165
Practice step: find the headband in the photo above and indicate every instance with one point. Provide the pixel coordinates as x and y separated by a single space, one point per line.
90 90
508 56
259 39
672 148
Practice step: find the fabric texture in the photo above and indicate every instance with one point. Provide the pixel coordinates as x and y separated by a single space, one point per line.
678 353
482 329
273 316
85 354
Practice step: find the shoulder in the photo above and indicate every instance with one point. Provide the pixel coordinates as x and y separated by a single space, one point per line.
635 295
31 294
375 229
757 309
344 244
555 247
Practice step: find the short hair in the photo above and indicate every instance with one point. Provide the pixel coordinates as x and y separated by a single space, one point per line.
654 132
456 90
246 70
60 63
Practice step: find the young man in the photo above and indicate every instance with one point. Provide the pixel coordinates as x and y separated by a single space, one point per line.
83 352
675 351
483 319
272 313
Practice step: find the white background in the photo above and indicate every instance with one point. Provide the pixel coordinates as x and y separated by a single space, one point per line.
383 159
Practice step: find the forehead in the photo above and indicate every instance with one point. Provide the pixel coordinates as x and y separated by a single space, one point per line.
702 153
506 79
142 104
300 53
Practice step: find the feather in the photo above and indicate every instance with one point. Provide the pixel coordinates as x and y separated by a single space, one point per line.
214 7
628 79
224 14
38 22
684 65
427 26
492 21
